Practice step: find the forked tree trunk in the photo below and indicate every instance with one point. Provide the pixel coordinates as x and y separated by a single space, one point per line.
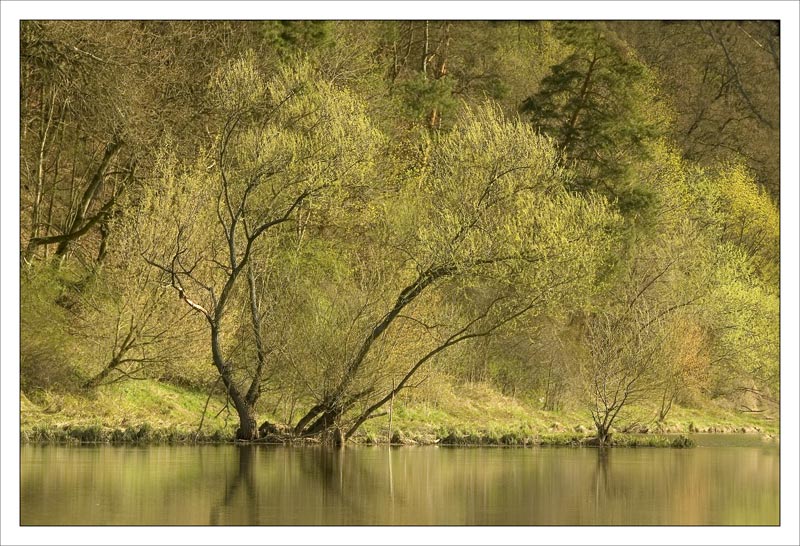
667 398
602 435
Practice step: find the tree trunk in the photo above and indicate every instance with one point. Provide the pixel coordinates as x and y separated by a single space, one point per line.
97 379
391 414
40 165
74 229
603 436
324 422
569 133
313 412
337 438
426 44
248 429
254 391
104 233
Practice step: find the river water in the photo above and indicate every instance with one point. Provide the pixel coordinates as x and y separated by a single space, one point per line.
724 481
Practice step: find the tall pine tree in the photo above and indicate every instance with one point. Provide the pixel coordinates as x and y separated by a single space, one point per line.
599 105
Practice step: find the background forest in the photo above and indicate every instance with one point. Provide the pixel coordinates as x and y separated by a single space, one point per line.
286 228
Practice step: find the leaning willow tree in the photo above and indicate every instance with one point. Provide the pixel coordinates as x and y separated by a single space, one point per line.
480 234
281 144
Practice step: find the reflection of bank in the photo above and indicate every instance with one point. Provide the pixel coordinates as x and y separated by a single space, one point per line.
244 476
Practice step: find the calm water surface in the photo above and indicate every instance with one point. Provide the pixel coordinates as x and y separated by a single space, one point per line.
716 483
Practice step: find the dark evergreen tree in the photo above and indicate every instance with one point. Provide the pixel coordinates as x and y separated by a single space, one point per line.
599 105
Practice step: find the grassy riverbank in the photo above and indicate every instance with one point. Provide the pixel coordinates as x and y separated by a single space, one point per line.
134 411
477 414
151 411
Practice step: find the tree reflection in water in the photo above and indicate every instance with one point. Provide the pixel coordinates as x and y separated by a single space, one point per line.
601 479
320 471
244 476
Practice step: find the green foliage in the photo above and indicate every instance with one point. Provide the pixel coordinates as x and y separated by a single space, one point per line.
421 96
721 79
500 197
346 205
600 106
522 54
746 216
487 224
289 37
47 308
746 322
